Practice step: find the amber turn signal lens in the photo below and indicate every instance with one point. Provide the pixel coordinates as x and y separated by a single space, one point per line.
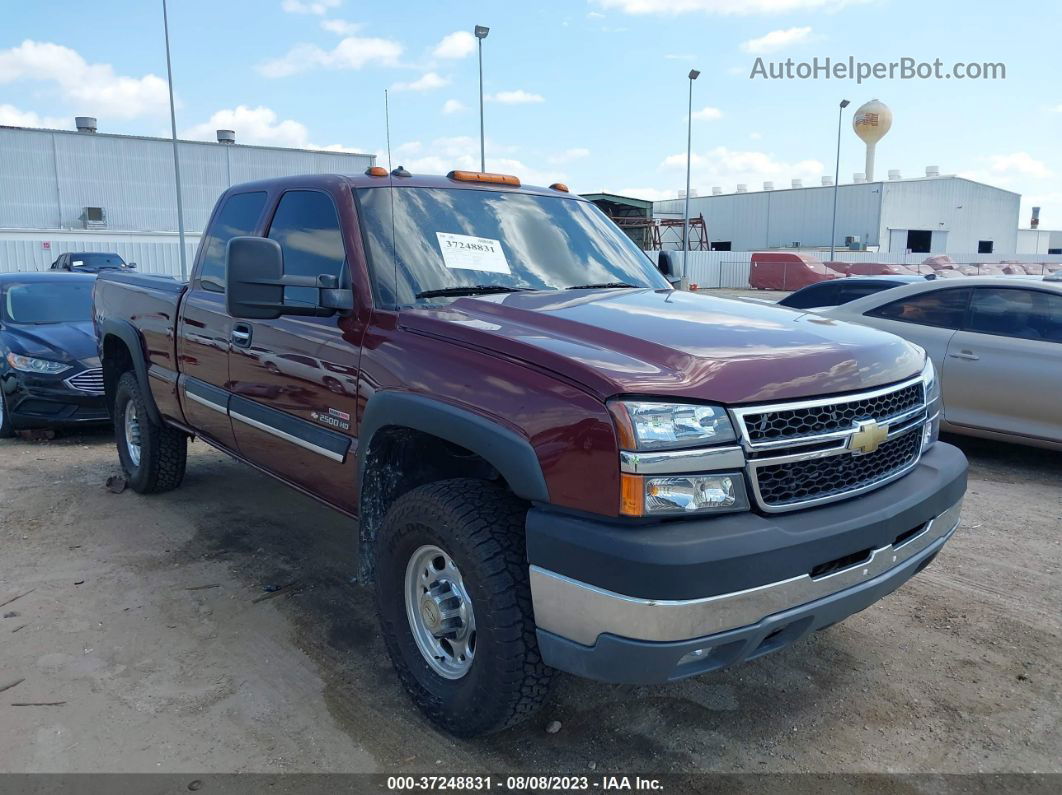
624 428
376 171
632 495
559 186
482 176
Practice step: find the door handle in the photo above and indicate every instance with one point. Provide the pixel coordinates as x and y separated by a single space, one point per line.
241 335
968 355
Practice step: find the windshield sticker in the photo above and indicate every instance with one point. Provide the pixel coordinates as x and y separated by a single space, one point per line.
465 252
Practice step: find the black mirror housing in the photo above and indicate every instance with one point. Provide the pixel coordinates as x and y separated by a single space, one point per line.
663 263
255 282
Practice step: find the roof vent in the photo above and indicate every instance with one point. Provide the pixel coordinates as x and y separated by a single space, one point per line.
798 183
859 178
226 136
716 190
827 181
742 188
768 186
932 171
894 174
85 124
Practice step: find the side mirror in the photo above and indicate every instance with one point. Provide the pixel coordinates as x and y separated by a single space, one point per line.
255 282
131 266
663 263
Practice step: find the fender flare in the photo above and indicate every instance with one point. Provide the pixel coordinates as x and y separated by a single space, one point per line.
128 334
508 452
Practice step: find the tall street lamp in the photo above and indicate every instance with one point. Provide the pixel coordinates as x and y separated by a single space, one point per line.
173 133
836 178
694 74
481 33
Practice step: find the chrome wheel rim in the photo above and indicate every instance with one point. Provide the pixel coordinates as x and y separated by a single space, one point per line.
132 433
440 612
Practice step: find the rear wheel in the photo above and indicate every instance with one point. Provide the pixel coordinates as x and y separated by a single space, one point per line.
454 603
153 456
7 429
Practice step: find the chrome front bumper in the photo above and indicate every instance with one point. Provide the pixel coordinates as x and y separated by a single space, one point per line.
579 612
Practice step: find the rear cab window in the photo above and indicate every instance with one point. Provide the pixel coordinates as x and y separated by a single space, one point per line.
238 217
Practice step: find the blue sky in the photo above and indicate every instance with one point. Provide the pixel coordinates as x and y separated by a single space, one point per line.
591 92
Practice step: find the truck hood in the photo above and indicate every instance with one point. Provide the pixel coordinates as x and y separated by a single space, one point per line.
673 343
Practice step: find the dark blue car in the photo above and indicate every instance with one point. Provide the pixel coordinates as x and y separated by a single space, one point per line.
50 372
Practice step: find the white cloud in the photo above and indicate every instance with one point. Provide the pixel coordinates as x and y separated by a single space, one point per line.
10 116
94 88
723 7
517 97
777 40
568 155
707 113
455 45
259 125
318 7
353 52
679 57
1056 109
462 152
1021 163
727 167
453 106
429 81
646 194
755 136
341 27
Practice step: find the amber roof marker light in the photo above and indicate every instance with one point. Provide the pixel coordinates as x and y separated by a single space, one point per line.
559 186
376 171
481 176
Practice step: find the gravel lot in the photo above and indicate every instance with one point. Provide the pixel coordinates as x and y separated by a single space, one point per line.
140 615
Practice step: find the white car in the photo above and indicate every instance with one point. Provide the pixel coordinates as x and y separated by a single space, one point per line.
996 342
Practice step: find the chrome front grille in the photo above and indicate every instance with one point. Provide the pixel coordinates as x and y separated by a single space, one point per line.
806 453
88 381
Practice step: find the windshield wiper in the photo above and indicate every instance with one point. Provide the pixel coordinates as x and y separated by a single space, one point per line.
602 286
471 289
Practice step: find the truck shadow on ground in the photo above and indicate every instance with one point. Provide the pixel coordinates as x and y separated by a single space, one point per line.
271 536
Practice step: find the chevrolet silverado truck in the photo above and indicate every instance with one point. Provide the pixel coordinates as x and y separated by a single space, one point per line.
554 459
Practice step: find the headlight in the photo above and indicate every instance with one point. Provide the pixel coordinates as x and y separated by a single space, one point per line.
28 364
677 495
645 425
931 431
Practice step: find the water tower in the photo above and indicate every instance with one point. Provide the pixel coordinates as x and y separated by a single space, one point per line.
870 123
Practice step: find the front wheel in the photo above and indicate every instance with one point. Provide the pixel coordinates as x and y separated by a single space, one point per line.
454 603
153 456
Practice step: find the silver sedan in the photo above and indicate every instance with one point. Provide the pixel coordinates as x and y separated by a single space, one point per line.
997 346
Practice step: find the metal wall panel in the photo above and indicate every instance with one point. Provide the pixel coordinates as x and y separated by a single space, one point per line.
48 177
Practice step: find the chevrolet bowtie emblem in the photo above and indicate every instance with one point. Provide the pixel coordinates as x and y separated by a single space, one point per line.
869 436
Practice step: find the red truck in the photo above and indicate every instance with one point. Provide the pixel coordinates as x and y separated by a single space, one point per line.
554 459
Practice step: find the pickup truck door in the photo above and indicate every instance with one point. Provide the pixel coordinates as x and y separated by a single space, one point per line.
294 380
204 329
1003 372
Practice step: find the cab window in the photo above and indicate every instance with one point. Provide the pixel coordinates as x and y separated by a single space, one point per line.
238 217
306 225
941 308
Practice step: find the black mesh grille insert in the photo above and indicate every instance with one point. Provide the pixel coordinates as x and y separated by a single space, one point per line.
796 423
785 484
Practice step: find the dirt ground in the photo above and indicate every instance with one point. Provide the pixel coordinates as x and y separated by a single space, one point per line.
142 616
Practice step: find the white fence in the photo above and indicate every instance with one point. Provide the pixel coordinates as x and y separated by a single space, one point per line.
708 269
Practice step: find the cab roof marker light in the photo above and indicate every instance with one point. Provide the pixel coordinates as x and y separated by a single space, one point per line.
559 186
482 176
376 171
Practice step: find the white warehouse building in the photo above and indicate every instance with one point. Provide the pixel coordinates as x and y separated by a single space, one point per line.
928 215
62 190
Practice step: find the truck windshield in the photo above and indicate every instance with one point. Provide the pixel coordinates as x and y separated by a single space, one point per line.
48 302
437 241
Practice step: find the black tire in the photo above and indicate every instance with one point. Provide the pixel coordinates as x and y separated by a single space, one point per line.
163 450
481 527
7 428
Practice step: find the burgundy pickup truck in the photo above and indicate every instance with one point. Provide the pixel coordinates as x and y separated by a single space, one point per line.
555 460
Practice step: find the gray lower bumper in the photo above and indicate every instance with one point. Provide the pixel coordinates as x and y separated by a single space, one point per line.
603 635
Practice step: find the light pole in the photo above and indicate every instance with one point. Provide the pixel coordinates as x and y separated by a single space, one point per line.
836 177
481 33
694 74
173 132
